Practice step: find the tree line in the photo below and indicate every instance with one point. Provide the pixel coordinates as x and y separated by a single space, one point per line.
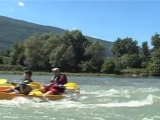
72 52
128 55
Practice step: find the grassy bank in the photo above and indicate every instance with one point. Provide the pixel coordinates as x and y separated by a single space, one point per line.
135 72
49 73
124 73
21 72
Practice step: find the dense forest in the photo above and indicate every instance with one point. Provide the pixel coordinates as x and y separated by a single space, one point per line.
73 52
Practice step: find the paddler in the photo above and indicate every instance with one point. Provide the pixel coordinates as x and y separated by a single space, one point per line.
22 87
56 83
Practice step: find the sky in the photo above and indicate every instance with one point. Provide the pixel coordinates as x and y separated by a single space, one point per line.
104 19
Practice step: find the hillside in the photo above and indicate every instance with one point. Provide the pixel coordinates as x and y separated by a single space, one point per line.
12 30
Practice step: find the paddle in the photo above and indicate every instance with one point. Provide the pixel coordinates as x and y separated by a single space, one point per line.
35 85
70 85
3 81
4 85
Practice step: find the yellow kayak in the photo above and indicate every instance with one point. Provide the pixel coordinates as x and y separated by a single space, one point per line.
35 93
10 96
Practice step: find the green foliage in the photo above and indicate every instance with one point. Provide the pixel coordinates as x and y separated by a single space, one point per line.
135 72
13 30
43 51
125 46
145 49
131 61
156 41
57 58
108 66
4 67
154 65
72 51
6 60
129 55
1 60
76 44
17 54
36 58
95 55
86 66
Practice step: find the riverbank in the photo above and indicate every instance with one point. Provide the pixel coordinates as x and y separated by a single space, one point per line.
122 73
49 73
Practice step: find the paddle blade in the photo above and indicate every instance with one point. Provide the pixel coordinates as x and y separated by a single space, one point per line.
3 81
34 85
71 85
35 92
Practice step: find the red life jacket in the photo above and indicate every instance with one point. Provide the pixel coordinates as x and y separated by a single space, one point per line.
59 79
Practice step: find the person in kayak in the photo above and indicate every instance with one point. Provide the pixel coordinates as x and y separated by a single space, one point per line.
22 87
56 83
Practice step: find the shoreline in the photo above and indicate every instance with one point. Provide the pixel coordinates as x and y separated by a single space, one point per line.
67 73
129 75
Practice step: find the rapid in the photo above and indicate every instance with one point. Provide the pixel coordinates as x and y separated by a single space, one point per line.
101 98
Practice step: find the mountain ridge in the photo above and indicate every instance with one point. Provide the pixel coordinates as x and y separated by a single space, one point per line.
13 30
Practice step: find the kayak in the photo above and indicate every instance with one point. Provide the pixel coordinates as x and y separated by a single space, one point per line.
35 93
10 96
6 86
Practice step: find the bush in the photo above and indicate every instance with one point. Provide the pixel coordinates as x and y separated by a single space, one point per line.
108 66
11 68
135 71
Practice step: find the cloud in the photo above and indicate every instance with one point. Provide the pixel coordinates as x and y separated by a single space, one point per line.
21 4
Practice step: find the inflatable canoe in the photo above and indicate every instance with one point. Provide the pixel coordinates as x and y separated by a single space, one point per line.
10 96
35 93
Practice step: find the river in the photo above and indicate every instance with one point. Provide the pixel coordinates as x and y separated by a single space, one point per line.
102 98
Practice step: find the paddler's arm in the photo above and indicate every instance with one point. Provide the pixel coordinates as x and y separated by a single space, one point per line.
58 86
47 93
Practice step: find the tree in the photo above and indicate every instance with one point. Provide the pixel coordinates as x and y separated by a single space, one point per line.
77 41
34 52
57 58
94 54
17 54
76 44
108 66
154 65
125 46
145 49
131 61
144 55
156 41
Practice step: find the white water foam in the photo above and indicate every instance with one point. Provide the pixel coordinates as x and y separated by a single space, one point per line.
147 90
23 102
109 92
113 92
133 103
9 117
90 92
147 119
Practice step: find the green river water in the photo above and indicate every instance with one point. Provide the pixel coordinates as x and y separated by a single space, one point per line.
101 98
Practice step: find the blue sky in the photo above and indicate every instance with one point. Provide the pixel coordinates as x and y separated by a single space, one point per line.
104 19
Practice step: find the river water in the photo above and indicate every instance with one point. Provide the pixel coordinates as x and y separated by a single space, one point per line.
102 98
